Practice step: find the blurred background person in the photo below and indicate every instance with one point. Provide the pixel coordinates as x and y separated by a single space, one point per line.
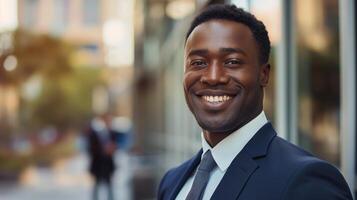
102 143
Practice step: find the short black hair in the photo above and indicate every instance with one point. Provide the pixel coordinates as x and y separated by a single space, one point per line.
232 13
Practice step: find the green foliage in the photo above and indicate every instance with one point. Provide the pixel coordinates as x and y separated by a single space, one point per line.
65 97
65 102
36 54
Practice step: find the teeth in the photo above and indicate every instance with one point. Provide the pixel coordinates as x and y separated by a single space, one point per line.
216 99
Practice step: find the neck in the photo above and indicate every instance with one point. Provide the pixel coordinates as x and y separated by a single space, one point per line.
213 138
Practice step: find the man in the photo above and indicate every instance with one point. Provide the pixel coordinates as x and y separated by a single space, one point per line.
226 70
101 147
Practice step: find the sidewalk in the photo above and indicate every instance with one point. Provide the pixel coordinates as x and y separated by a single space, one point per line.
66 180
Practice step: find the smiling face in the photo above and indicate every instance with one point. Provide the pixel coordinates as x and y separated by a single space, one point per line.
223 78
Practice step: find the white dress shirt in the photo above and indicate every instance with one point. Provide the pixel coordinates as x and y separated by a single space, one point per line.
224 153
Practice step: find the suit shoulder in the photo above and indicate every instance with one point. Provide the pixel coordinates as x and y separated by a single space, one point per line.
310 177
317 179
290 146
290 153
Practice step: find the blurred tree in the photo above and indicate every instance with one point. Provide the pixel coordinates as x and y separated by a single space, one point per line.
64 97
52 91
65 103
35 54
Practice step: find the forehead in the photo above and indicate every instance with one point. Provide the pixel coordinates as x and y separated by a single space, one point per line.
215 34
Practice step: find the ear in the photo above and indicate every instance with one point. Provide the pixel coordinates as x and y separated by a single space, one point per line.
264 74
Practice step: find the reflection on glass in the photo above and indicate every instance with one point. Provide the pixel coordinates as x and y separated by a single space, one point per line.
91 13
60 15
318 77
30 10
269 11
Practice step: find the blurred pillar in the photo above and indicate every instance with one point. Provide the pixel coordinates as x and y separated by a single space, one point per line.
348 89
286 81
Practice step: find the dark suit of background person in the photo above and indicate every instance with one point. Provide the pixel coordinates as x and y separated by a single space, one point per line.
226 54
101 147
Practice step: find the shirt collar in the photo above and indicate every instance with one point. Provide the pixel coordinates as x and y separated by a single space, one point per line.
227 149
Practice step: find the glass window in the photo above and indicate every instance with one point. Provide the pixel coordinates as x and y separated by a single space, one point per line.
60 15
317 57
91 12
269 12
30 13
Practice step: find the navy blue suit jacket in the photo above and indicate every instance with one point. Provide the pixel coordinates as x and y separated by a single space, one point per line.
268 168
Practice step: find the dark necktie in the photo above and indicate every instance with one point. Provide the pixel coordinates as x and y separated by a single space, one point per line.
202 176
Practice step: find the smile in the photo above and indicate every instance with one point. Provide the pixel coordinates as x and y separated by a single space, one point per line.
216 99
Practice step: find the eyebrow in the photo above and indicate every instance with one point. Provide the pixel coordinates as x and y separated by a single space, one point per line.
198 52
202 52
232 50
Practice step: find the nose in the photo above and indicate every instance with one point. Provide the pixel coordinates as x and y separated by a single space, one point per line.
215 74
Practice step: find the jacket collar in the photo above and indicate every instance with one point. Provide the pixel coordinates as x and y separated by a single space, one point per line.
226 150
244 165
240 170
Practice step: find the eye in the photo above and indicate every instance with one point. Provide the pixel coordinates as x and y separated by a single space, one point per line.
233 62
199 63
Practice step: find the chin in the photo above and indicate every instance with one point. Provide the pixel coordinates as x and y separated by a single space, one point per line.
217 126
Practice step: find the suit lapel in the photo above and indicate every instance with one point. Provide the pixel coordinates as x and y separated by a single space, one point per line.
244 165
235 178
185 173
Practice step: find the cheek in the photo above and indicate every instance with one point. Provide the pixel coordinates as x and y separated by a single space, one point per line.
189 79
248 79
188 82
